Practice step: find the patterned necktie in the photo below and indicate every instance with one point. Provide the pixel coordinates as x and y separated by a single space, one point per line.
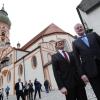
65 56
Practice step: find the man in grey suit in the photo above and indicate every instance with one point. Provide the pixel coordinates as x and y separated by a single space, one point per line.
87 52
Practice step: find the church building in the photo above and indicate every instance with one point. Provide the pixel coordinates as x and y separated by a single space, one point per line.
33 60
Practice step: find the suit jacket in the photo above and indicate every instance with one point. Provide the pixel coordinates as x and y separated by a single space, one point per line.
65 72
86 57
17 87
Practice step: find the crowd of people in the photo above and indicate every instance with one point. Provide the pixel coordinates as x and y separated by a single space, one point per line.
25 91
7 89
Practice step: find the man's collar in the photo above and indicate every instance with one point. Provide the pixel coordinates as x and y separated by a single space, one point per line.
84 35
60 50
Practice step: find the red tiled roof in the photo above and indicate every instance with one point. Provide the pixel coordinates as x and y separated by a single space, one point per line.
51 29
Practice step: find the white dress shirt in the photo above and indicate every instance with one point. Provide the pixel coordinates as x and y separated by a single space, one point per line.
60 51
20 86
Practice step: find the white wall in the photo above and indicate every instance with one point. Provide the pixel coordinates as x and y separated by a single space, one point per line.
52 78
34 45
20 54
92 19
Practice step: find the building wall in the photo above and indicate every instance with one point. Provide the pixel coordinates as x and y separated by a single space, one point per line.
52 78
92 19
34 45
20 54
8 72
29 71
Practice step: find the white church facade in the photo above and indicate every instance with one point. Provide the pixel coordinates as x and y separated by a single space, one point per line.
31 61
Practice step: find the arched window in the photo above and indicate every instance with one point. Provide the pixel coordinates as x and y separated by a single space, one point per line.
3 33
20 70
10 61
9 76
1 81
34 61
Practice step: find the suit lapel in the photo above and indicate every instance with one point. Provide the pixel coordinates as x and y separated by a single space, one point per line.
60 55
89 39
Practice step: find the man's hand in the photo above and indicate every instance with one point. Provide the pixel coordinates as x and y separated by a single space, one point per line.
63 90
85 79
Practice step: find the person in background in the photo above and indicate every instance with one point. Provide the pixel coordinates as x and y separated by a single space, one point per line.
30 89
46 85
66 76
19 89
26 88
37 85
7 89
0 94
87 53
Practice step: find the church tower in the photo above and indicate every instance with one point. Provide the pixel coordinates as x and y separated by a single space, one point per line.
5 25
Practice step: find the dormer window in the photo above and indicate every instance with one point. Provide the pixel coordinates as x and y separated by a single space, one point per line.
20 70
3 33
3 27
2 38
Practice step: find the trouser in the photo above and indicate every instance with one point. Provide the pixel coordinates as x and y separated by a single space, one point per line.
0 97
36 93
95 83
47 89
7 94
20 94
77 92
30 95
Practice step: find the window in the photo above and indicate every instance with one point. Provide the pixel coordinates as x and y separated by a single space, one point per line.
34 61
9 76
2 38
3 33
10 61
20 70
1 81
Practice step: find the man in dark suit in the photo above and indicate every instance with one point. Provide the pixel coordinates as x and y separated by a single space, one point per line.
66 75
30 90
37 85
87 52
19 89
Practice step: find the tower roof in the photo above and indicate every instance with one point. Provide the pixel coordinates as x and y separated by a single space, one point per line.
4 17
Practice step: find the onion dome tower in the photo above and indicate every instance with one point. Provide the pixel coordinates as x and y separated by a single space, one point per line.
5 25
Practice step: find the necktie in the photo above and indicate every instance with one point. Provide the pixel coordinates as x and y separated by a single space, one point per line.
65 56
85 40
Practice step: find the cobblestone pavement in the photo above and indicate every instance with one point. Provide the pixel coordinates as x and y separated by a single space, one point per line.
56 95
52 95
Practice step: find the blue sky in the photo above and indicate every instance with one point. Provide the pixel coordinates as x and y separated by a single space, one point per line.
29 17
